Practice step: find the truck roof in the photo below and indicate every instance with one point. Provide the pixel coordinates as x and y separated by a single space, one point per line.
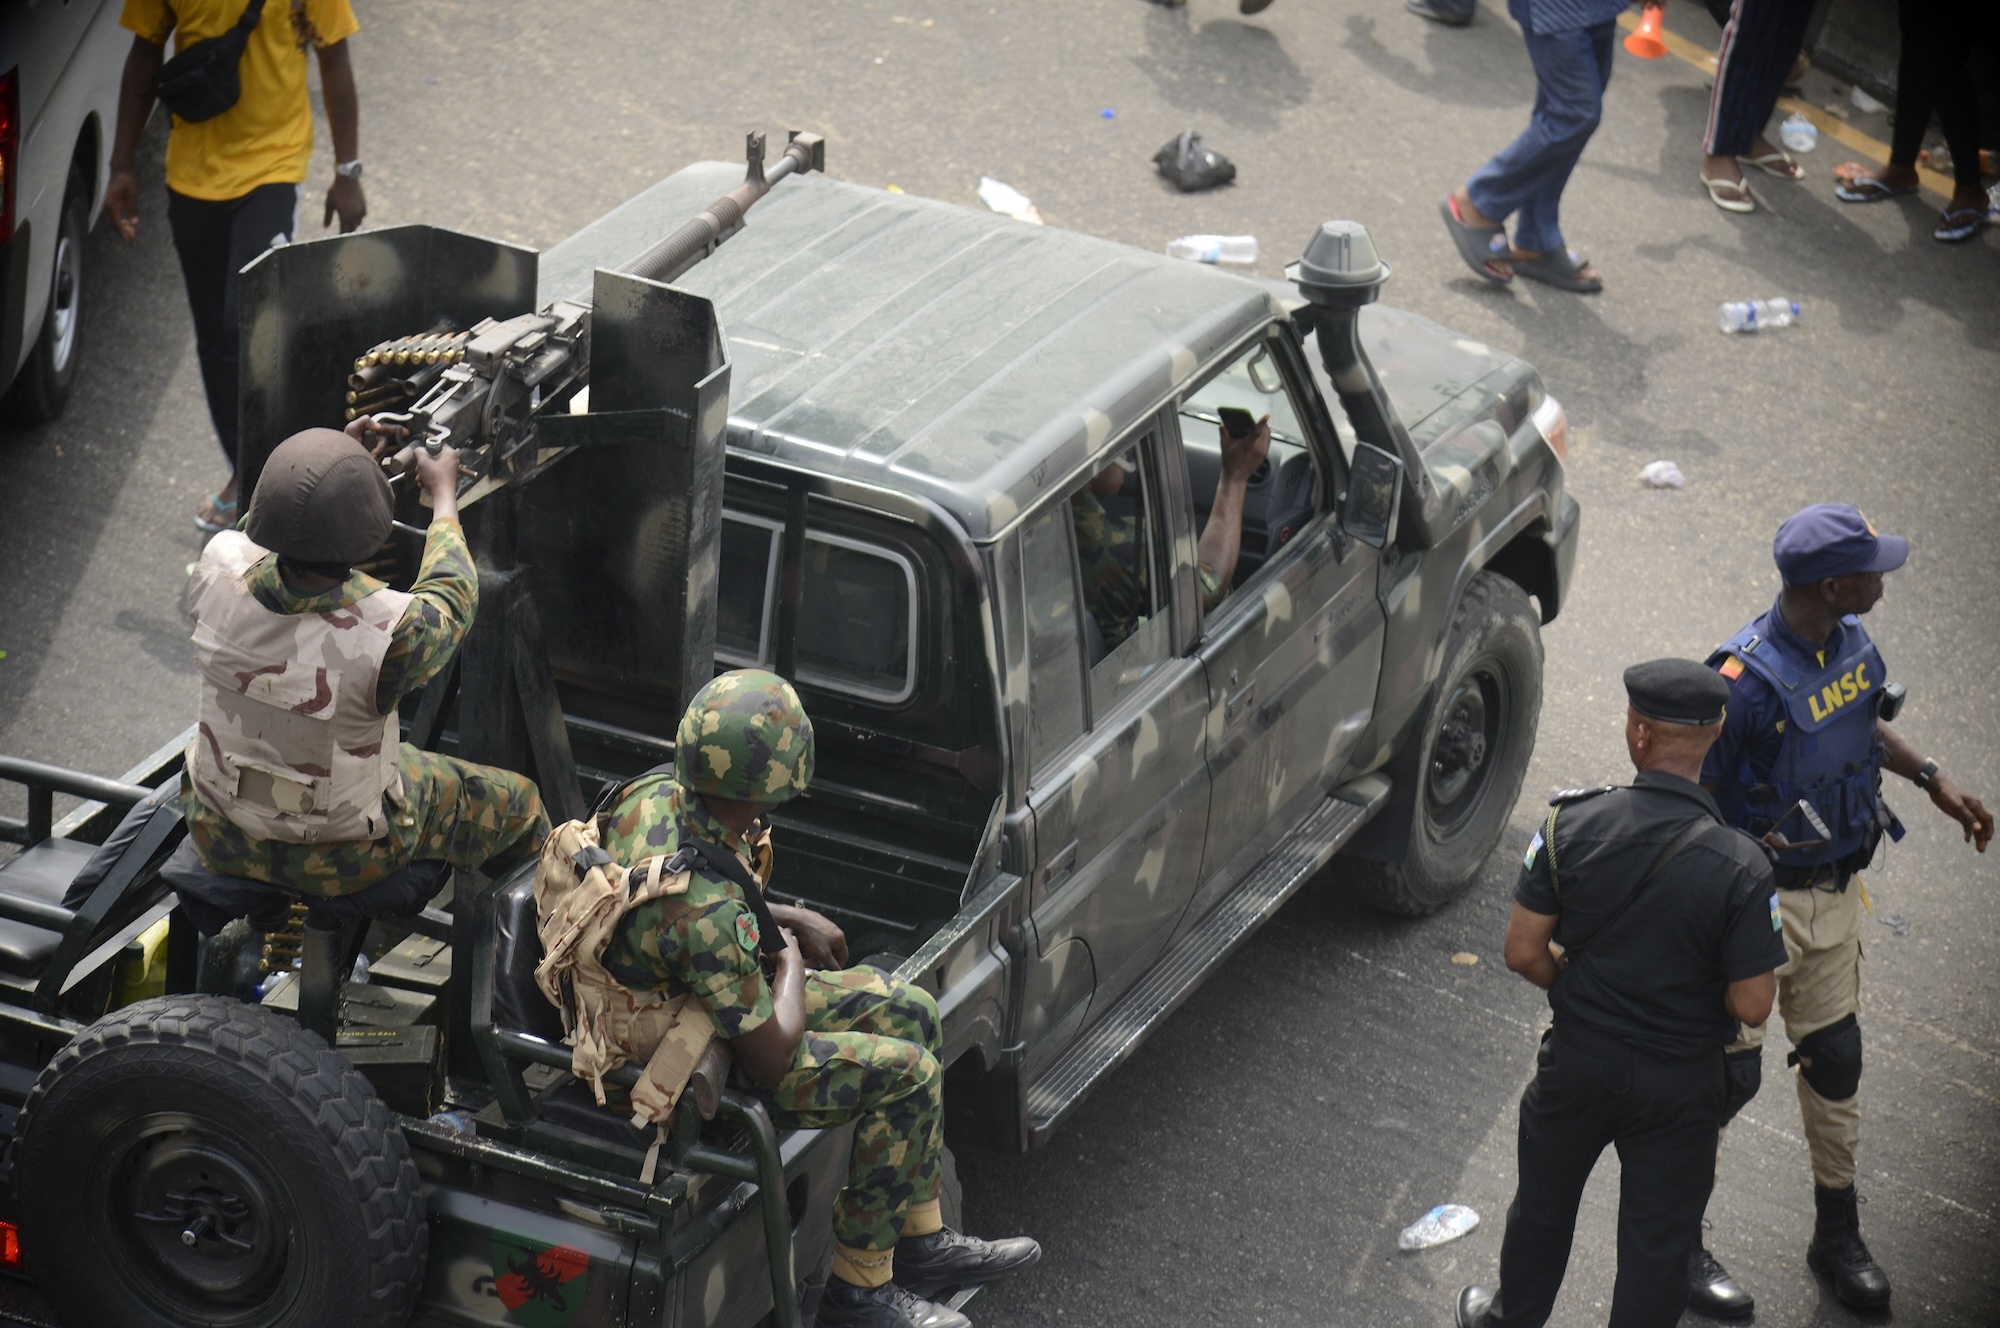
950 354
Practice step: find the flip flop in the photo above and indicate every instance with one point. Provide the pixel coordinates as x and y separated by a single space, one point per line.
1865 188
1559 270
1780 163
1958 226
1477 245
225 516
1715 188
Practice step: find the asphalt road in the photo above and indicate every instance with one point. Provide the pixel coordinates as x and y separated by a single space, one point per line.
1255 1160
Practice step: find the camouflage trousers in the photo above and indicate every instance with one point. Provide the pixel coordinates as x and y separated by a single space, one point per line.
472 816
869 1055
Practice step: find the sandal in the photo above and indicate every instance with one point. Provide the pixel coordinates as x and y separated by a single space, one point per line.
1956 227
1780 163
1861 187
1715 187
1479 246
1561 270
224 515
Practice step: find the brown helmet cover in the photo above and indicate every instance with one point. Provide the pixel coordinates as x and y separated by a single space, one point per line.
321 499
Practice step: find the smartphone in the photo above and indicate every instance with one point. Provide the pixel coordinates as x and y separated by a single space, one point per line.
1237 421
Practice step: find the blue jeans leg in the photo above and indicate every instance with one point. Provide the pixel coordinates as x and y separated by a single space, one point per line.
1526 178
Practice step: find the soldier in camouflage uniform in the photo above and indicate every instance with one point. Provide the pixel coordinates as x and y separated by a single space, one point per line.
824 1045
1111 550
296 776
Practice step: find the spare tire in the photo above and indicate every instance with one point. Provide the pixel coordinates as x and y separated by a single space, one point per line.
193 1160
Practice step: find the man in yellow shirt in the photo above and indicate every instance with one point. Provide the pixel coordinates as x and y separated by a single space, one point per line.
234 181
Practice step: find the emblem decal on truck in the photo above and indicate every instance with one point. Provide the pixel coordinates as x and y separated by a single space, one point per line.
541 1287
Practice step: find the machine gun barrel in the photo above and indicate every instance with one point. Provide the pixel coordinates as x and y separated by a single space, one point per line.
724 217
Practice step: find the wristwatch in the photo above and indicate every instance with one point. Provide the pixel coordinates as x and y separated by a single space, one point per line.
348 170
1922 779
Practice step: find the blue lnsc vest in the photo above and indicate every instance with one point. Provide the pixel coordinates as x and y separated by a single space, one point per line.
1828 755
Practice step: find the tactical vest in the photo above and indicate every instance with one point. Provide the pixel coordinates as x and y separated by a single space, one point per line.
290 745
581 895
1828 755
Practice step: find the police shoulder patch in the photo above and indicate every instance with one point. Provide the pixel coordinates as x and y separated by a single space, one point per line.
746 931
1567 796
1777 922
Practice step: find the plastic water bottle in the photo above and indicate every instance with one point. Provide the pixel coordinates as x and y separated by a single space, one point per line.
1442 1223
1798 133
1755 315
1214 248
458 1121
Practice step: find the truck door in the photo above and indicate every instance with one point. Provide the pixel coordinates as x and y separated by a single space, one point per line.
1293 650
1119 787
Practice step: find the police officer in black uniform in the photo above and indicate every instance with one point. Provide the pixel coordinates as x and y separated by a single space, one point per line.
1654 927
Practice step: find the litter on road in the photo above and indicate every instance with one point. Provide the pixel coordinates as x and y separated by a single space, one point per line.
1446 1222
1662 475
1007 200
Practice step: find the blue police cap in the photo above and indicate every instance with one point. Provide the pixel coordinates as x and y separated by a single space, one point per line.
1833 539
1677 691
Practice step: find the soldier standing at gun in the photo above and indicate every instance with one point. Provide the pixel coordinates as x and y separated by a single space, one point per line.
1809 711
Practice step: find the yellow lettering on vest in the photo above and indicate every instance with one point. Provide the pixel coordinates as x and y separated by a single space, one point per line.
1861 676
1831 695
1847 689
1812 703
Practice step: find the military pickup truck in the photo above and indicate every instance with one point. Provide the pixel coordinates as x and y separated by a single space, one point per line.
847 444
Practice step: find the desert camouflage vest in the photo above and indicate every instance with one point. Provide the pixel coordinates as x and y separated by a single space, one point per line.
581 895
290 746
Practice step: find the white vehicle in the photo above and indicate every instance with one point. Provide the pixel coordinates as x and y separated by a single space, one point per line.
60 62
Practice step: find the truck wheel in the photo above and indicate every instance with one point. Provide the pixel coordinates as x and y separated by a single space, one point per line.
193 1160
41 389
1474 741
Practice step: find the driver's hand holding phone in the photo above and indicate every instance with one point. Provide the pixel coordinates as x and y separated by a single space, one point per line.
1245 441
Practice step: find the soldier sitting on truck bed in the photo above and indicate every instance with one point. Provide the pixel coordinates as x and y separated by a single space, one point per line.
823 1045
297 776
1111 549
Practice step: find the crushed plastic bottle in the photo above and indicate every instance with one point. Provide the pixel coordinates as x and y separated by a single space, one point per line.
1755 315
1662 475
361 968
1008 201
1214 248
1442 1223
1863 102
459 1121
1798 133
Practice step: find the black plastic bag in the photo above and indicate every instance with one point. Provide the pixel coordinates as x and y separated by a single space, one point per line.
1191 166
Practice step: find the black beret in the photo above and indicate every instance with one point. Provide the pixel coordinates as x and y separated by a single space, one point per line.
1677 691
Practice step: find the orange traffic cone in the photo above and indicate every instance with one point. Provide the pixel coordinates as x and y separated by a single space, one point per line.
1645 39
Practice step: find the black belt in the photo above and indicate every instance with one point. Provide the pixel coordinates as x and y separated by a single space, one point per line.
1609 1046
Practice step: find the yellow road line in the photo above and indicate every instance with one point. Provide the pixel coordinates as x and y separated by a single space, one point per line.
1830 125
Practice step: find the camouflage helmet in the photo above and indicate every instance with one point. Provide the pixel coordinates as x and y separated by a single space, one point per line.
745 736
321 499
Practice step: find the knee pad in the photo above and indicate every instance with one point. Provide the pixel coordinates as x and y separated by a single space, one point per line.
1829 1059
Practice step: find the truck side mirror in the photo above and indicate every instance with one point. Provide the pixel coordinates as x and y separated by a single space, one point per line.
1374 496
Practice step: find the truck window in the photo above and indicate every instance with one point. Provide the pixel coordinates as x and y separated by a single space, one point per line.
854 619
1124 594
856 605
1287 492
1055 637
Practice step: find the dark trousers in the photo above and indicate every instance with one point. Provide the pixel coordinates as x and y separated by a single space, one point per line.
1759 43
1662 1116
1525 179
1933 73
216 240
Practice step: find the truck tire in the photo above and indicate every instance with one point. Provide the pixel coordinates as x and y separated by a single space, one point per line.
193 1160
41 388
1473 741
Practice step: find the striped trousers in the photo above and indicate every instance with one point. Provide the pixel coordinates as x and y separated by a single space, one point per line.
1759 43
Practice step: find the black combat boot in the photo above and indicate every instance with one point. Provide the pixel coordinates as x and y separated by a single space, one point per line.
1712 1291
1837 1254
846 1305
947 1261
1473 1304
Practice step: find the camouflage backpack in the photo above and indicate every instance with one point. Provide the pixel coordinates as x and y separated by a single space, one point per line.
580 896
